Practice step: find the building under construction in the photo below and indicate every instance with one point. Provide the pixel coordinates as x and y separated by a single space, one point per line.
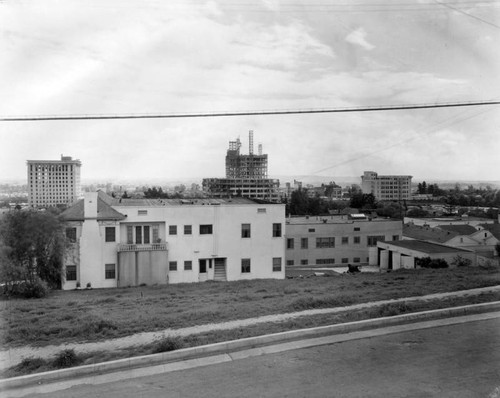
246 175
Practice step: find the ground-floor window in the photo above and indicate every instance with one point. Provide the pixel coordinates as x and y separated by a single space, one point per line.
71 272
188 265
110 271
276 264
345 260
304 262
245 265
290 262
172 265
356 260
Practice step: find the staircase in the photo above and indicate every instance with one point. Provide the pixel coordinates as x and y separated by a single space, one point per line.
220 269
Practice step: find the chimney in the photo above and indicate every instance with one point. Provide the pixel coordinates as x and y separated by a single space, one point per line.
90 205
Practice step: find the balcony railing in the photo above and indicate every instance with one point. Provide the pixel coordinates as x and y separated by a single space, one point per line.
132 247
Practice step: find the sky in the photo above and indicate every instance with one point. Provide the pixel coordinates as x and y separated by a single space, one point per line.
118 57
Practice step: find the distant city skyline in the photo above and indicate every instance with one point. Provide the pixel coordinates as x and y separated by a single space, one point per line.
66 58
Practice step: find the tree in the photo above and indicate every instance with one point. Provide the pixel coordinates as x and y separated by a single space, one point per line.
363 201
299 202
32 244
417 212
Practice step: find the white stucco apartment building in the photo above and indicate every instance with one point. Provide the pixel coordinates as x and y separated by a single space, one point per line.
337 240
129 242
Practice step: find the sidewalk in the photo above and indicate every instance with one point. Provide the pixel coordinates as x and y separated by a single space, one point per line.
13 356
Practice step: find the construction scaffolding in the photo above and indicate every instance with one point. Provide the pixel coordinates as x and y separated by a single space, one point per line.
245 166
246 175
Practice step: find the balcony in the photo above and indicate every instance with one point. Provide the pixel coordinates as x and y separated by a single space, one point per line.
132 247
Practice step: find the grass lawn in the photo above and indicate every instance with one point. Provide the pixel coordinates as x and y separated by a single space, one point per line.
91 315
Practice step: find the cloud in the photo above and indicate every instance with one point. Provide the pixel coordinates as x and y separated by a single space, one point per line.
358 37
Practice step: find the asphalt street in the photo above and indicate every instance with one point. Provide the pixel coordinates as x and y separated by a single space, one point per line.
446 361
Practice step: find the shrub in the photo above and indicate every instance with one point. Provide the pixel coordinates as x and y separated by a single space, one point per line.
427 262
66 359
459 261
35 289
167 344
30 365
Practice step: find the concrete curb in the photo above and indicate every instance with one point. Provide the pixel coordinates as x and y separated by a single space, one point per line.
238 345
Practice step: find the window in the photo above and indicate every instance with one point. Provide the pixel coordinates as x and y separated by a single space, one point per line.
188 229
289 243
138 235
71 272
156 233
188 265
245 265
322 261
245 230
276 264
345 260
357 229
345 240
172 265
304 262
276 230
206 229
130 234
395 237
110 234
109 271
304 243
172 229
290 262
142 212
71 234
312 230
372 240
356 260
261 210
357 239
146 234
325 242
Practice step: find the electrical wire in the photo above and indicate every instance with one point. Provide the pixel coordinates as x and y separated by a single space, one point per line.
444 123
245 113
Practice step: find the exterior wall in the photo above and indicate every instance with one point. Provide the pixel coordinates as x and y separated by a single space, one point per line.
338 228
401 257
224 243
151 263
90 253
53 182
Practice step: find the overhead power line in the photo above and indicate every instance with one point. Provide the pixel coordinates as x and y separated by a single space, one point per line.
244 113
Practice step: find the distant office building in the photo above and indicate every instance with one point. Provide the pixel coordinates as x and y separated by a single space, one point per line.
53 182
246 176
337 240
390 187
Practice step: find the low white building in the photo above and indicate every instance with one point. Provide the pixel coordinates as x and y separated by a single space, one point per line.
337 240
404 254
130 242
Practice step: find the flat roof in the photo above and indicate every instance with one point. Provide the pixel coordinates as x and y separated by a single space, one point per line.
335 219
117 202
426 247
